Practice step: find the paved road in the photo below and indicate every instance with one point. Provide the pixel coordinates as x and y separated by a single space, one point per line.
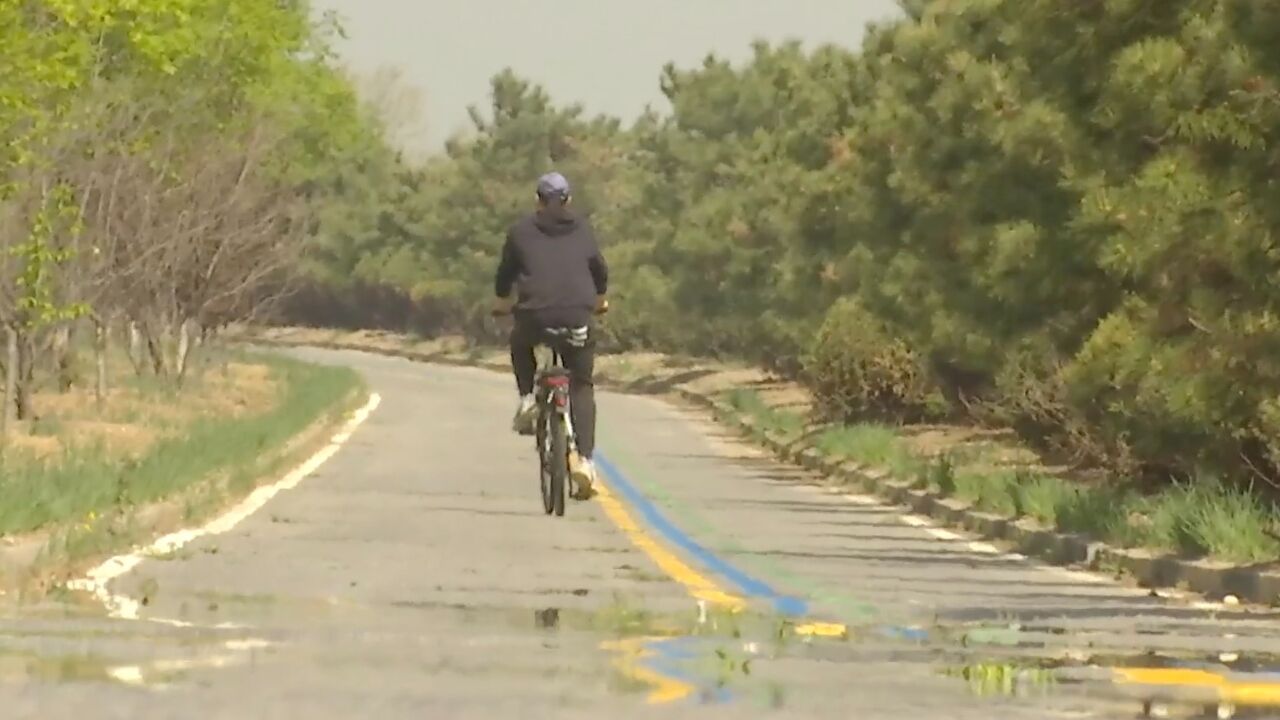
415 575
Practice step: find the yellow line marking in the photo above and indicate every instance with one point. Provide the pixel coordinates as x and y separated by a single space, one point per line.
665 689
1240 693
823 629
696 583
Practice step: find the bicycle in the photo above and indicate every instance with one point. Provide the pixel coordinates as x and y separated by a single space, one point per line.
553 434
554 437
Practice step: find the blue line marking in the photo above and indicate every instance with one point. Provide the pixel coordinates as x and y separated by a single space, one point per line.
904 633
784 604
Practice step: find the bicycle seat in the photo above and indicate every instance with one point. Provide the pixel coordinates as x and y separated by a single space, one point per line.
555 372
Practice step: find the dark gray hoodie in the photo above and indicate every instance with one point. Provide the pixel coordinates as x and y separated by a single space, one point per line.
555 258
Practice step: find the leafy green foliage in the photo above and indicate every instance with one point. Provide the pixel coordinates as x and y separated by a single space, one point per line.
36 305
161 164
858 371
1061 213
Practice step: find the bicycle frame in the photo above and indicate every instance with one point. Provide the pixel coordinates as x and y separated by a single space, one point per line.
554 437
553 387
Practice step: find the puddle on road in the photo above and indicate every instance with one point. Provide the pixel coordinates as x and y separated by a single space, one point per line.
189 638
137 659
723 652
63 643
1031 680
716 656
30 666
1181 675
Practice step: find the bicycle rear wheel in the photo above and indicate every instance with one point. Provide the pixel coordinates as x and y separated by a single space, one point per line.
544 460
557 462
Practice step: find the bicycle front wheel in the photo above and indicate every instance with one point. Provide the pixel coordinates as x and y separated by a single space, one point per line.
544 460
557 462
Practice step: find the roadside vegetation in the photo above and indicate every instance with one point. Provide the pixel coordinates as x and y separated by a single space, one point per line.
162 167
1205 517
1056 218
148 441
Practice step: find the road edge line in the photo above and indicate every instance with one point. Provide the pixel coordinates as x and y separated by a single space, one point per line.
98 579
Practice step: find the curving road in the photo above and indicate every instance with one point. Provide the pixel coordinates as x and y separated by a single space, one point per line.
414 575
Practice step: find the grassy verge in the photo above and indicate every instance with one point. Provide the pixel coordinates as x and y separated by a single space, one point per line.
85 478
1204 518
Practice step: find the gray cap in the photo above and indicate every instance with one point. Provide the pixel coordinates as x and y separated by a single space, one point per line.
553 185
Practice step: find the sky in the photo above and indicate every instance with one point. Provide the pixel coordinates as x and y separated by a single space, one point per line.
605 54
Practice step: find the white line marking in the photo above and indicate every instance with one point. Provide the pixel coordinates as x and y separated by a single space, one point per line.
249 644
127 674
914 521
985 547
96 581
942 534
1079 575
861 499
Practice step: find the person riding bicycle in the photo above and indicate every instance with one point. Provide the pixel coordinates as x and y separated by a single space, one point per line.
553 255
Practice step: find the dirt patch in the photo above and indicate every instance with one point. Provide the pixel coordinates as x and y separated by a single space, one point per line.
725 379
632 367
133 416
239 390
374 339
73 403
250 376
307 335
117 439
443 345
122 439
786 396
36 447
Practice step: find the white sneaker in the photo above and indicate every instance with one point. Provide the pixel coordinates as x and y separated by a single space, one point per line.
583 473
526 416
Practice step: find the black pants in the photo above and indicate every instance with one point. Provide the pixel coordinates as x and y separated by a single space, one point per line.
527 334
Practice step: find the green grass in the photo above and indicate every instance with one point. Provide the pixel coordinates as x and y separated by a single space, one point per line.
993 492
788 425
82 480
869 444
1212 518
1203 518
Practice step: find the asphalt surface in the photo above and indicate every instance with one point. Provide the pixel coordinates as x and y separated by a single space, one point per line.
415 575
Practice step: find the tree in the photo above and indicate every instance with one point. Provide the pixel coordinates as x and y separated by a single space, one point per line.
1059 213
158 164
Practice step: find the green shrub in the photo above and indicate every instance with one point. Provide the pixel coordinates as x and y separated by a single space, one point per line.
858 370
1034 397
1209 517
